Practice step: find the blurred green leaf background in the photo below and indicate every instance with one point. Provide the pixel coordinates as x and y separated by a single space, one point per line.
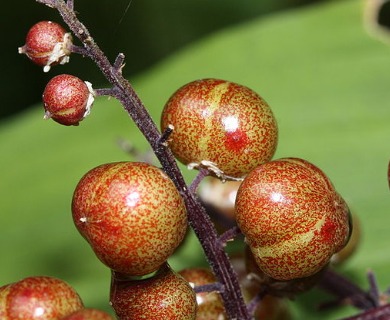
326 80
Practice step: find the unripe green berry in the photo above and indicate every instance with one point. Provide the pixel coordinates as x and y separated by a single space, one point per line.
221 125
131 214
292 217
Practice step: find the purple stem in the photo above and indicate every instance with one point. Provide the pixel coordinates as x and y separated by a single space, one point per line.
203 173
210 287
229 235
344 289
377 313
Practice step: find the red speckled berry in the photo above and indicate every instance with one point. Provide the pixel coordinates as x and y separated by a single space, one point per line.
38 298
165 296
292 218
221 125
67 99
210 304
131 214
47 44
88 314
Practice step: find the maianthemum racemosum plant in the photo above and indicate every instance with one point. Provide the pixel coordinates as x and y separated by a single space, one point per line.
134 215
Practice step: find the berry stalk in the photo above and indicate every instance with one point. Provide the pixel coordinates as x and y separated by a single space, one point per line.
198 219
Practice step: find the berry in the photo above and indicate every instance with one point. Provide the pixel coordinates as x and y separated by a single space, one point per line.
221 125
47 44
88 314
210 304
166 295
38 298
292 217
67 99
131 214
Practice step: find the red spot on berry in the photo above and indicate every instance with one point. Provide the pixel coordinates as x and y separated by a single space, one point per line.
328 231
236 140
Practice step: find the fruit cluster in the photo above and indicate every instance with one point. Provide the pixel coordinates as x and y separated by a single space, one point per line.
135 215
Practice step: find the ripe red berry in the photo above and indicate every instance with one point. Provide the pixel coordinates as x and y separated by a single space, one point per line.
292 217
88 314
210 304
166 296
131 214
67 99
43 298
47 44
221 125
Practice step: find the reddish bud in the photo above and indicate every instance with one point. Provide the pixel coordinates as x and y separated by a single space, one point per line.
67 99
47 44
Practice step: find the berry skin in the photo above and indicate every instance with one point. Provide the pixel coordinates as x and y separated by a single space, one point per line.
277 288
4 290
345 253
166 295
67 99
47 44
210 304
131 214
38 298
292 218
88 314
221 125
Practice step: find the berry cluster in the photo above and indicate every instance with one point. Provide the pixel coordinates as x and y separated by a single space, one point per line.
135 215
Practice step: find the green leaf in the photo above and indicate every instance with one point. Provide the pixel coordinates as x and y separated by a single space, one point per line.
328 85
